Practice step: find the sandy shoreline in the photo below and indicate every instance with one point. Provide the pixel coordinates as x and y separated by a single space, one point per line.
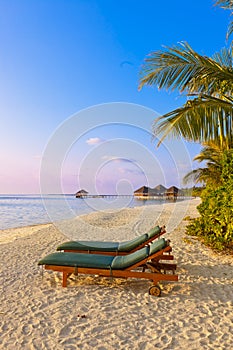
37 313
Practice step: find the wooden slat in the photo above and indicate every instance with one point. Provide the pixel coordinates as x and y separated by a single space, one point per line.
155 277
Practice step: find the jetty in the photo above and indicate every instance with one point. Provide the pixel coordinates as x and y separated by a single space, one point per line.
159 192
85 194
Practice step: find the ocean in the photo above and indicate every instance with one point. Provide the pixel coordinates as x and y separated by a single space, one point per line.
25 210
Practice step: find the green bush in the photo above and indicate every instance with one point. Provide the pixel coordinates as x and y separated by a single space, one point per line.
215 224
197 191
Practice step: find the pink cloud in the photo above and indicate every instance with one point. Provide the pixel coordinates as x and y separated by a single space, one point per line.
94 141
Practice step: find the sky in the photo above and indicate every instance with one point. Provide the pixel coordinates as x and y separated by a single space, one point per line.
71 113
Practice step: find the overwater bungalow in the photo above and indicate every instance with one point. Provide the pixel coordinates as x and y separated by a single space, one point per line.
158 191
161 190
145 191
172 192
81 194
141 192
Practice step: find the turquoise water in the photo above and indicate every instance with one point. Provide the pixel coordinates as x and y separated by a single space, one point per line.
24 210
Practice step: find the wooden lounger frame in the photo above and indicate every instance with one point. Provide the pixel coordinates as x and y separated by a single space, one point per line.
142 245
155 276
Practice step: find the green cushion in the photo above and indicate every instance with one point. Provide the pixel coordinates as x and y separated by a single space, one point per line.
123 261
78 260
104 246
134 243
89 245
154 231
157 245
102 261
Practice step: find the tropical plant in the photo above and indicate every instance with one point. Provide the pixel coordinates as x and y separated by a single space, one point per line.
208 84
215 223
227 5
206 117
212 155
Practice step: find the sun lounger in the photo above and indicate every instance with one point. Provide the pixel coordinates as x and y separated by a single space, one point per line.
126 266
113 248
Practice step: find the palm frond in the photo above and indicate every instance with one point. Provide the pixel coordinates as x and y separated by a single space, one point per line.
212 154
215 87
176 67
225 4
193 176
203 175
202 119
229 30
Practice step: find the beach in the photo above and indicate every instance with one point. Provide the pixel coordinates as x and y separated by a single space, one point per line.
92 312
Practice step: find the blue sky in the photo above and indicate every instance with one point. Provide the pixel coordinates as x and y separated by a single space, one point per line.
59 58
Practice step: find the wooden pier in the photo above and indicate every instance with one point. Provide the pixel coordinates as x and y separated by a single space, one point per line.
104 195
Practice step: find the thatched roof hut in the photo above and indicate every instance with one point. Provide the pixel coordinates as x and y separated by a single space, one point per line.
160 189
172 192
142 191
150 192
81 194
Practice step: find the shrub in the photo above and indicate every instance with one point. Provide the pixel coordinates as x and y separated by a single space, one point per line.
215 224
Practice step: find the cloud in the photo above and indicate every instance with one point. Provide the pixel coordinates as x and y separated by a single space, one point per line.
119 159
131 171
125 166
94 141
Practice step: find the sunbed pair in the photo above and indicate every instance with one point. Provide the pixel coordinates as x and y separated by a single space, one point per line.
146 258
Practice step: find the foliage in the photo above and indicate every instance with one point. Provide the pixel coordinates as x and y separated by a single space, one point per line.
212 154
197 191
215 224
207 118
227 5
186 192
208 84
180 67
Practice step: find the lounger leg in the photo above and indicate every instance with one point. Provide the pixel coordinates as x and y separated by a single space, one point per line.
64 279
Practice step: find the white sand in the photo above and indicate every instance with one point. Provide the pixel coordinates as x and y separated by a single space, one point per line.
37 313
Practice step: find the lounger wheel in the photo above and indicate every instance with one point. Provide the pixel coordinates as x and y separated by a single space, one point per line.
155 291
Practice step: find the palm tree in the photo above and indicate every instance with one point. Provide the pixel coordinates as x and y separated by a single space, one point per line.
208 84
212 154
207 116
227 5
